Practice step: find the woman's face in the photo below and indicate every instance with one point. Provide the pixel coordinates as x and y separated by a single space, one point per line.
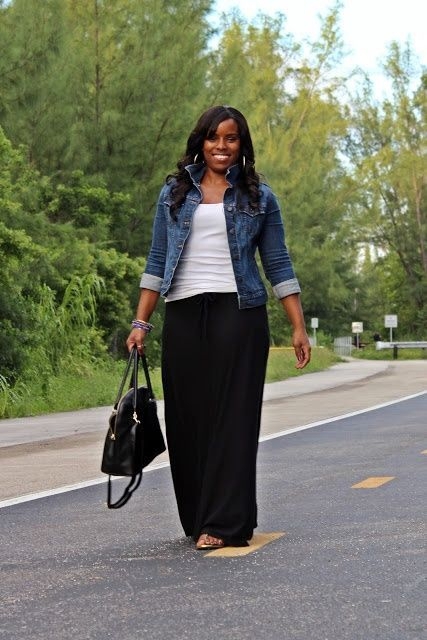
222 150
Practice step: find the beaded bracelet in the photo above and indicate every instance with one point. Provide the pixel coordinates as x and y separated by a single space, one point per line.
141 324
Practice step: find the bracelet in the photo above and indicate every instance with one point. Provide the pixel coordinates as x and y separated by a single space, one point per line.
141 324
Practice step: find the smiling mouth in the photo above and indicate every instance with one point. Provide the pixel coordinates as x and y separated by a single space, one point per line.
220 156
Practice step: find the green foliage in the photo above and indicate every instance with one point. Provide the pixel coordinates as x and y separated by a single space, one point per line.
388 150
61 336
47 252
17 256
9 397
95 88
70 390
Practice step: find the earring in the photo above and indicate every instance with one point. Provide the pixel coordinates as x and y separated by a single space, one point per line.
195 158
243 161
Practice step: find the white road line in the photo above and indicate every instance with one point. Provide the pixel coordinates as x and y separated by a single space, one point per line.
90 483
286 432
69 487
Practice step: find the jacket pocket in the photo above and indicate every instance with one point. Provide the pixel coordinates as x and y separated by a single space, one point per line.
250 220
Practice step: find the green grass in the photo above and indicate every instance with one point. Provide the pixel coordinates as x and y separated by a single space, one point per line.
281 363
68 392
370 353
98 386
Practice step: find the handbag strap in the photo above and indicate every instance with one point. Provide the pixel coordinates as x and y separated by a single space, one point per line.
134 381
134 359
124 378
147 377
133 485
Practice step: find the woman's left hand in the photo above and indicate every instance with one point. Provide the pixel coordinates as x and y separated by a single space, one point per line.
302 348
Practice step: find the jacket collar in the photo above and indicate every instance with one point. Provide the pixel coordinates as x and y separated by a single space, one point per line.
196 172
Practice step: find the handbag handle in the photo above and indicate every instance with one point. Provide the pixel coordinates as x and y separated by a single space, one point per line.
147 376
134 359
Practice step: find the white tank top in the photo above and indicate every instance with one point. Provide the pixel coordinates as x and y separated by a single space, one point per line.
205 262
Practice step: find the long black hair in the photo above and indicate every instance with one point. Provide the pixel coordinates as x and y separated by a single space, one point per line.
205 128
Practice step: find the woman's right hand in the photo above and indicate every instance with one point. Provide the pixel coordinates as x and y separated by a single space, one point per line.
136 339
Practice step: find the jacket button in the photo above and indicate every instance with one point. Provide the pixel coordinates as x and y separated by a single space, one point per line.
229 208
232 230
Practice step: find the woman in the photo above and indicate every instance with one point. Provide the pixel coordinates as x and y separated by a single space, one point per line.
212 216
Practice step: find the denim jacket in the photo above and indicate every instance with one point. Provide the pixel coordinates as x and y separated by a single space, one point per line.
247 231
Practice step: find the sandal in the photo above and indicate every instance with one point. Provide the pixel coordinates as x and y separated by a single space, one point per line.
206 541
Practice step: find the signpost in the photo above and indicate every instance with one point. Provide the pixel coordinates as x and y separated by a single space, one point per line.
391 323
357 328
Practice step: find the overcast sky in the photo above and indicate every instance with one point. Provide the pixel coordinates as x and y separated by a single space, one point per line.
367 26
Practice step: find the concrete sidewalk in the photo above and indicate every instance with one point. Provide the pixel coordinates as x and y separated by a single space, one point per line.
336 376
18 431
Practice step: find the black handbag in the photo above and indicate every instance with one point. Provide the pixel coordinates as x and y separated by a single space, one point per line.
134 436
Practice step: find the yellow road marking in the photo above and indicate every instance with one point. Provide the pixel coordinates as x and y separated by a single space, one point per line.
258 541
372 483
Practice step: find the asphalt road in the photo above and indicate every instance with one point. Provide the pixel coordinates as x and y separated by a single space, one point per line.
349 562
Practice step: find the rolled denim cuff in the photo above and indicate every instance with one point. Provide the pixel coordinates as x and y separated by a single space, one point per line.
154 283
286 288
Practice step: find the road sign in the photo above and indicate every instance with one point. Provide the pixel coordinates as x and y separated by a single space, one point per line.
357 327
315 323
390 321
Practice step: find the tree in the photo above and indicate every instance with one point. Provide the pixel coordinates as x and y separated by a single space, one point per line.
54 246
388 149
107 88
35 109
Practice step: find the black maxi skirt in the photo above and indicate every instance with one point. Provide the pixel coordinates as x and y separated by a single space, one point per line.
214 358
